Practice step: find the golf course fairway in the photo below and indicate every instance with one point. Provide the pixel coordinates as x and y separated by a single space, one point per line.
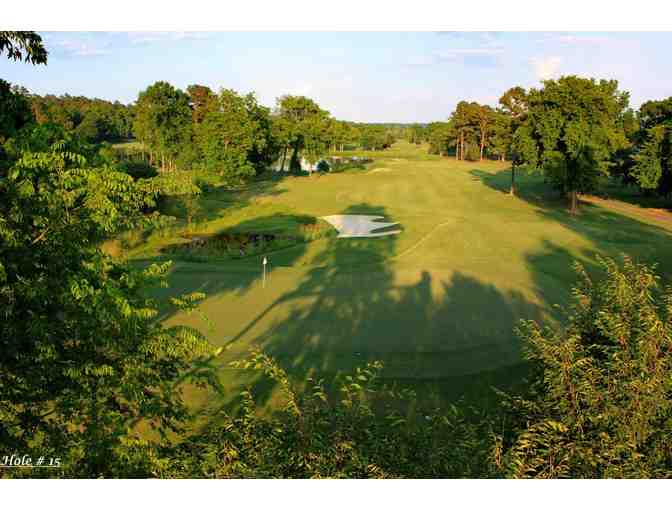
437 303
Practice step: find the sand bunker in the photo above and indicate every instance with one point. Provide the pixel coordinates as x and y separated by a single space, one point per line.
380 170
359 225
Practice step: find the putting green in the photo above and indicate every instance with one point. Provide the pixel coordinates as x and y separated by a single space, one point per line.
437 303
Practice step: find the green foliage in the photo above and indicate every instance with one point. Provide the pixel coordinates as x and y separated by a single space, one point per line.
652 163
441 137
316 435
648 168
303 128
94 120
14 111
472 125
572 131
416 134
83 360
374 137
202 100
598 405
235 138
25 45
163 122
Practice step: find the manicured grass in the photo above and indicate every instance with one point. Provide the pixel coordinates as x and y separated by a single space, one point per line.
437 304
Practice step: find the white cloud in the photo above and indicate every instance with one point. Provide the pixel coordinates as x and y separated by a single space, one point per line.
546 68
76 46
152 37
483 56
583 39
459 52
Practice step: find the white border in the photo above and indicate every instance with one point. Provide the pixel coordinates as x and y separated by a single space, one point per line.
427 15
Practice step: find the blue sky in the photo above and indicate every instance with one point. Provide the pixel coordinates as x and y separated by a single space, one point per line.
360 76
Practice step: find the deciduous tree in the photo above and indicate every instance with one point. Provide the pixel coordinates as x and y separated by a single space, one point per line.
574 125
598 402
26 46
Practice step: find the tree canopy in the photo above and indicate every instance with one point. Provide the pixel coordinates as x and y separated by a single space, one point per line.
26 46
652 168
598 403
572 131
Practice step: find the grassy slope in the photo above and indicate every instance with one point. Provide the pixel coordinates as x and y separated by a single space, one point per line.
437 303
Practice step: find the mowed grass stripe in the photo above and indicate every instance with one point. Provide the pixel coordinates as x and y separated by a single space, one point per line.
437 303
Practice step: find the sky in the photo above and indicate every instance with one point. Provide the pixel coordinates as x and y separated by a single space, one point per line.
357 76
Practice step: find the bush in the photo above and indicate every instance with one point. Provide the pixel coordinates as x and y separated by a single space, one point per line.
315 436
599 404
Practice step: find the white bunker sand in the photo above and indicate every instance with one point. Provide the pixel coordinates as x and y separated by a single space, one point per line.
359 225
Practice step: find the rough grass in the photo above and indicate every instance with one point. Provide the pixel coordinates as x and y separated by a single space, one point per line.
437 304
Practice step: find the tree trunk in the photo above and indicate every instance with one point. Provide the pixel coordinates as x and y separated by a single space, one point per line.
284 156
574 202
512 191
457 149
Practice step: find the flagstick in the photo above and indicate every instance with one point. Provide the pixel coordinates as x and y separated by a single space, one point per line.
264 278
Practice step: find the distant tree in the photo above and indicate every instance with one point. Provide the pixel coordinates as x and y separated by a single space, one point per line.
265 148
374 137
485 119
91 128
339 134
415 134
302 125
652 168
235 138
464 122
572 131
163 122
202 100
15 111
598 404
514 108
26 46
440 136
501 136
515 102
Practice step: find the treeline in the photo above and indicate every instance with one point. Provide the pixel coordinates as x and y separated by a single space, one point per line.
226 132
34 123
94 120
234 135
573 130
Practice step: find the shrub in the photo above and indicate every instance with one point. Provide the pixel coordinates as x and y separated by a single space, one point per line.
599 403
315 436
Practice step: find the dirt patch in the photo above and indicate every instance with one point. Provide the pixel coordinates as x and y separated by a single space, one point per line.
660 215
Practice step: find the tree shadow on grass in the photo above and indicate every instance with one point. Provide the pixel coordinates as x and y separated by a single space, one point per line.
217 201
445 337
530 187
608 234
215 275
